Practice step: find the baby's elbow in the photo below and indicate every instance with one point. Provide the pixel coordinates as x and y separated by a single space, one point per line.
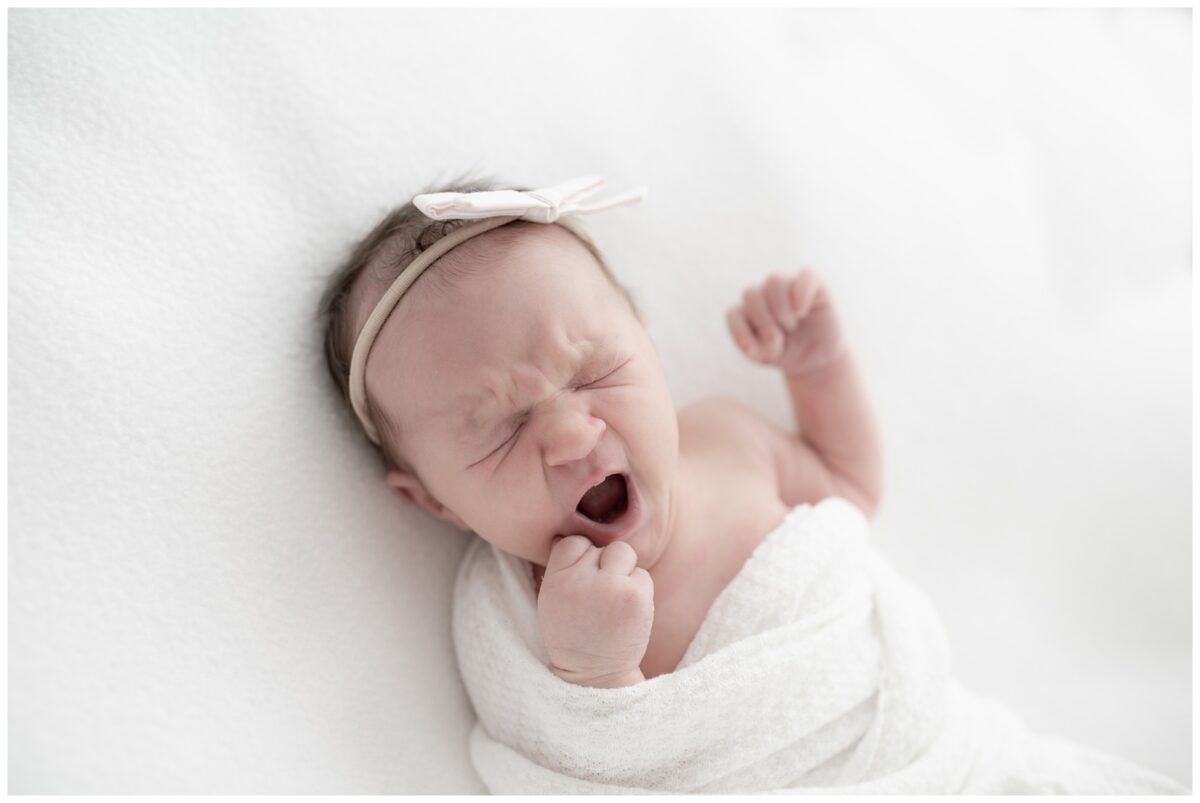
865 499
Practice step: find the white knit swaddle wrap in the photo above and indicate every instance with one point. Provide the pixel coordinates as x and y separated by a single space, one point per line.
818 668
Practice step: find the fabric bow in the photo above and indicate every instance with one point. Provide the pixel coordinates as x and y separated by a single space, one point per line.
544 205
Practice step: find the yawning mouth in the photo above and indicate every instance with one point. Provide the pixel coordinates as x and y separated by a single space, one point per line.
607 501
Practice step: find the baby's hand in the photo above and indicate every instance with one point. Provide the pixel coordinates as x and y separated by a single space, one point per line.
595 610
788 322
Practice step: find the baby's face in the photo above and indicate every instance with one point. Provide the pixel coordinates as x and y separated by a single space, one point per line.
521 387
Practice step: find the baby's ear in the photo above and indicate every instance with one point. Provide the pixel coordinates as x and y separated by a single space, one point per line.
413 490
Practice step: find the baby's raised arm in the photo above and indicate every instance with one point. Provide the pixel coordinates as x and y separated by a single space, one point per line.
790 322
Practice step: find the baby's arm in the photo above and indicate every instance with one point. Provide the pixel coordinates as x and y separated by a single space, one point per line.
789 322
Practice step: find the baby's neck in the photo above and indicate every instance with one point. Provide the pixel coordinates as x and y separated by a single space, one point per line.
695 506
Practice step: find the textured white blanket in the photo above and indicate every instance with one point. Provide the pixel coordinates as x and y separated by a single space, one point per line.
818 668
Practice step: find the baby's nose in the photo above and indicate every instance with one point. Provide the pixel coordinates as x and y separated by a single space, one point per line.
570 435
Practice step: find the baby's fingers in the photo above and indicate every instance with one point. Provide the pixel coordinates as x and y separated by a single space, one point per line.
739 327
618 558
568 551
766 329
778 293
804 288
644 582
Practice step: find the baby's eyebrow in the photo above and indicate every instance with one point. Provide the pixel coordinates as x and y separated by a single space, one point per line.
470 422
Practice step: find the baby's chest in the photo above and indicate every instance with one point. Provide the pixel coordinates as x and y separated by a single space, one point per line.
681 605
683 597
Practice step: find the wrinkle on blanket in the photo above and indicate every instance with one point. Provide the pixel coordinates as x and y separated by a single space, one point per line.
816 668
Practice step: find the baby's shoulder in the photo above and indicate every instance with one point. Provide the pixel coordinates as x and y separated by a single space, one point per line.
717 426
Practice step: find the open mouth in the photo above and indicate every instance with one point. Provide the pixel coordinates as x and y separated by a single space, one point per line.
606 501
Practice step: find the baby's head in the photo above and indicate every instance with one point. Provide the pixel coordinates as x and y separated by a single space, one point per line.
513 376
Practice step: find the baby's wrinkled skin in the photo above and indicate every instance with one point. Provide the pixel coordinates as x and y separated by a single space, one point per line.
522 385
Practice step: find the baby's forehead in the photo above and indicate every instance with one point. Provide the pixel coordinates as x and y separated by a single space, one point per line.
516 243
467 356
490 252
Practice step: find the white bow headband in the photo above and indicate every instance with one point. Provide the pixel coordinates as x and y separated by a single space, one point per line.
494 208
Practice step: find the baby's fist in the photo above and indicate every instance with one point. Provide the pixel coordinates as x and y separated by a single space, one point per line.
595 611
787 321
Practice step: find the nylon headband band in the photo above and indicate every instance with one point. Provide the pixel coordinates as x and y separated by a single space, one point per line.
379 316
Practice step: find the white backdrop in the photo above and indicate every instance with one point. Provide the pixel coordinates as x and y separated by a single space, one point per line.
210 587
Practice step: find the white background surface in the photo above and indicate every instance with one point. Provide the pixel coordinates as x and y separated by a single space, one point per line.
211 589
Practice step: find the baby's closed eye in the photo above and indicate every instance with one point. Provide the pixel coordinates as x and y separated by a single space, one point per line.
591 382
604 374
600 375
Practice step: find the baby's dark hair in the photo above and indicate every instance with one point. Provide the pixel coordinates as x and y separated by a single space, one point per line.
397 240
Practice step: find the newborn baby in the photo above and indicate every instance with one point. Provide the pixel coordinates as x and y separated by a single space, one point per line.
524 401
700 579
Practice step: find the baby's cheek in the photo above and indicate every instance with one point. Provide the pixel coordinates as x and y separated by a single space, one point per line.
651 421
518 488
